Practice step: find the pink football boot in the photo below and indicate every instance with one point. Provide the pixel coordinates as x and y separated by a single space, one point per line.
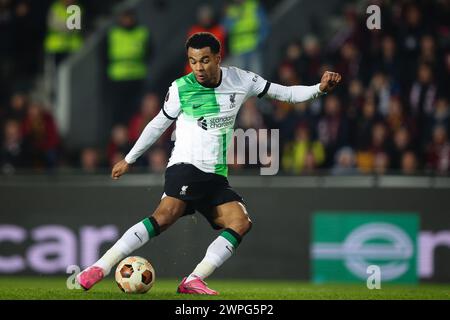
89 277
196 286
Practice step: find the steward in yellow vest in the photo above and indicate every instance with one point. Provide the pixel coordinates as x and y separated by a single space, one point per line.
59 38
246 24
128 49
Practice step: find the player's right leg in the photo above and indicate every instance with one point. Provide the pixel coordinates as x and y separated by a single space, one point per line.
231 216
167 212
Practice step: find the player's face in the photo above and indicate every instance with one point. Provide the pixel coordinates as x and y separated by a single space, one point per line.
205 65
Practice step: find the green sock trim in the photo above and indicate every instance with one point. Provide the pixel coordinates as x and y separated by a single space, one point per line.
231 238
149 226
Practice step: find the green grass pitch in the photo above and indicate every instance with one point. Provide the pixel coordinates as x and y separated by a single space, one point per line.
49 288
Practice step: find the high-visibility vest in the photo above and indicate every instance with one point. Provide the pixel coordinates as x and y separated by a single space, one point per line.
57 41
244 33
126 51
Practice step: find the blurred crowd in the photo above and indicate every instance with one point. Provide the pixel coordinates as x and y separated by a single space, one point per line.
390 115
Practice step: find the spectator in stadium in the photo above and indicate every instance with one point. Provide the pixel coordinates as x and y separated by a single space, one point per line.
41 137
355 96
303 113
369 158
287 75
389 59
349 63
446 68
428 51
401 143
61 41
247 28
250 116
282 114
284 117
332 128
12 152
128 55
396 117
207 22
90 160
364 161
303 153
18 106
439 117
409 163
355 102
381 163
422 97
345 162
119 142
348 30
438 152
313 57
380 136
150 106
157 160
365 124
294 58
410 31
116 156
382 88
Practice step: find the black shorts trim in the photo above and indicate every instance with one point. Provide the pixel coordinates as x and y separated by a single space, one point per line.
202 191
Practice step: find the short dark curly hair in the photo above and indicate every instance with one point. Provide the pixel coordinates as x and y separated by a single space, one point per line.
201 40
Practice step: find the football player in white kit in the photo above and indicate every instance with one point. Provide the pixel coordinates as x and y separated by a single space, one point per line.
205 104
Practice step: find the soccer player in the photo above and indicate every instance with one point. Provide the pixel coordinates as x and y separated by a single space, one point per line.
205 104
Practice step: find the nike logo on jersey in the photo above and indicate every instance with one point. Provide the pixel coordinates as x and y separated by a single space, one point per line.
196 106
229 249
137 235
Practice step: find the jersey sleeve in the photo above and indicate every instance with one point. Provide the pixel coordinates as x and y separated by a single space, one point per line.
153 130
256 85
294 94
171 108
149 135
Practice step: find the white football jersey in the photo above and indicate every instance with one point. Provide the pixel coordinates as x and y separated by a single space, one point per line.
205 116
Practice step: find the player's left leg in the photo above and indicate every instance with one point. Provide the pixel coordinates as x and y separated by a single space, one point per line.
233 217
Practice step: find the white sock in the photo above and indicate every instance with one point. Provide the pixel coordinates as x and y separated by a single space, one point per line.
132 239
218 252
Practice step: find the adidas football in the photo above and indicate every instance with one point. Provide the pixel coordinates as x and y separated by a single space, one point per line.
135 275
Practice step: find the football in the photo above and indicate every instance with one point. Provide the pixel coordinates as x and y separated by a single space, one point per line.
135 275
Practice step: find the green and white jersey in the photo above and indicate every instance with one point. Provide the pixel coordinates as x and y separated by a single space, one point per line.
205 116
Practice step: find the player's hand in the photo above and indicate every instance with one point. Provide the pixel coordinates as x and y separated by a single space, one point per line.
119 169
329 81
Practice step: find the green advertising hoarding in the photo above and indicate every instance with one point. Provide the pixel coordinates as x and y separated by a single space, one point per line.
345 244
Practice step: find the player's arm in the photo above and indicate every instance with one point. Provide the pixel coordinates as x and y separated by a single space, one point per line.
296 94
152 131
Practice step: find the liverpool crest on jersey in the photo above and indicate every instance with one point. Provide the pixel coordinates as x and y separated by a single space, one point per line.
232 100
